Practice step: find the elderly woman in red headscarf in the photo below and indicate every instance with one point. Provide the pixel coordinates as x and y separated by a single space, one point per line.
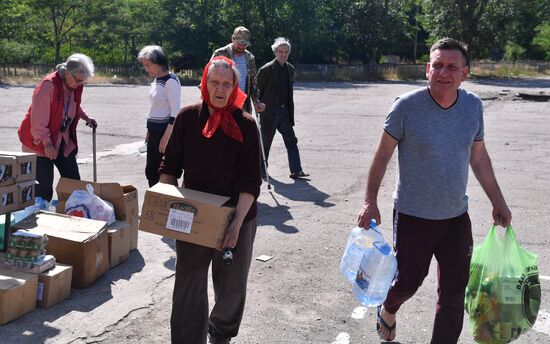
215 144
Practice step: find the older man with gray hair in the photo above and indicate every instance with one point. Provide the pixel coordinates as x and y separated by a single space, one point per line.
49 126
275 86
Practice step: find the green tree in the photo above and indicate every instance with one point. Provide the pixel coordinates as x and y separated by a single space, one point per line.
15 52
542 38
126 26
526 16
514 52
195 26
376 27
66 16
281 18
477 23
16 43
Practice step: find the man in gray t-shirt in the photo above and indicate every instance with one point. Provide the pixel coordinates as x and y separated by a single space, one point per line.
439 133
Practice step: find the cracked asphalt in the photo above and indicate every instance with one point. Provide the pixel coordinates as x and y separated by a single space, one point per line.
298 296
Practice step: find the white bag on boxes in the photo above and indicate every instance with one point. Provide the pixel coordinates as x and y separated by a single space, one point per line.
88 205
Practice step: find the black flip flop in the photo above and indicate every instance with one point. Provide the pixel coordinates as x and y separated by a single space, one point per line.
380 321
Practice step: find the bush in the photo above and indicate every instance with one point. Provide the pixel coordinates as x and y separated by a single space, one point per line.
15 52
542 39
513 52
423 58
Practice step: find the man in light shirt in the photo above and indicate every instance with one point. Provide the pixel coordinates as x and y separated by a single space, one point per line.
245 64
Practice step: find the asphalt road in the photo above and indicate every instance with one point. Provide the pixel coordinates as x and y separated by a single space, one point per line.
298 296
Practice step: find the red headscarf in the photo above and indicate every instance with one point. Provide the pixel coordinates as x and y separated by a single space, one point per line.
222 116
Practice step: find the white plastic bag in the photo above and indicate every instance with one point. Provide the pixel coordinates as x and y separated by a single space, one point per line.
86 204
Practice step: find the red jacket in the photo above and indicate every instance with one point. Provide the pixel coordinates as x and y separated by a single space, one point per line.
56 115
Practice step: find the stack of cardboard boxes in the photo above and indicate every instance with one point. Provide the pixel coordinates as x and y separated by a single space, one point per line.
84 249
17 190
122 235
17 180
90 247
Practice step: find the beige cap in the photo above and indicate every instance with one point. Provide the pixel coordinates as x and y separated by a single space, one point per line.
242 35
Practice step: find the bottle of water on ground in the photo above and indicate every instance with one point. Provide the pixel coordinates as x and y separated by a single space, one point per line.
39 204
53 205
375 274
360 239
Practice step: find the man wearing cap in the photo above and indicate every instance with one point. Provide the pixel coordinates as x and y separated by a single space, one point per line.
245 63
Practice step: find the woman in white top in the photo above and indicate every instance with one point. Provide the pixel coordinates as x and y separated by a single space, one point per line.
165 95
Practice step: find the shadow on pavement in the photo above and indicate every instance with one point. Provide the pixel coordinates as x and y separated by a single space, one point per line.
301 190
275 216
532 83
327 85
125 270
298 190
32 332
7 86
170 264
33 327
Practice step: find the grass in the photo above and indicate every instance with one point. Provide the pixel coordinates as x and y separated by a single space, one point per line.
25 79
508 70
396 72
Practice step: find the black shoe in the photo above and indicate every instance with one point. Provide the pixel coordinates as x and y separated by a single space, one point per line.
299 175
218 340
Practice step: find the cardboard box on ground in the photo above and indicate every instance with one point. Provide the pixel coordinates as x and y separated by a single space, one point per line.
82 243
183 214
26 193
8 166
17 294
8 198
119 242
25 166
54 285
123 197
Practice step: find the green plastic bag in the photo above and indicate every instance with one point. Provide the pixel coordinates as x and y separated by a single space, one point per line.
503 293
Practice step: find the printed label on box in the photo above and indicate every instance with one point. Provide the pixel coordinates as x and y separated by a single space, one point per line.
39 291
7 198
179 220
26 167
5 172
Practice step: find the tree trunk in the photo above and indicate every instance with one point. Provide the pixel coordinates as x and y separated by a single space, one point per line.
415 47
125 50
57 52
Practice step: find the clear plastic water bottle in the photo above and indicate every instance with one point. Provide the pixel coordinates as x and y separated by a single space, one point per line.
375 274
39 204
360 239
53 205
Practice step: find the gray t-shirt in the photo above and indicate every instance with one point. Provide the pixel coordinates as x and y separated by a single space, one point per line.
433 152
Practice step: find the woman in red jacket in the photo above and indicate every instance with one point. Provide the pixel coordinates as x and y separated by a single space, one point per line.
49 126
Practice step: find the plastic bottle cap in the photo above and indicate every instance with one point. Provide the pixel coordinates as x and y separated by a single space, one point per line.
385 249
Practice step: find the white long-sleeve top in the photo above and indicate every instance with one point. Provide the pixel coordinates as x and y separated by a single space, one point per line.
165 96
